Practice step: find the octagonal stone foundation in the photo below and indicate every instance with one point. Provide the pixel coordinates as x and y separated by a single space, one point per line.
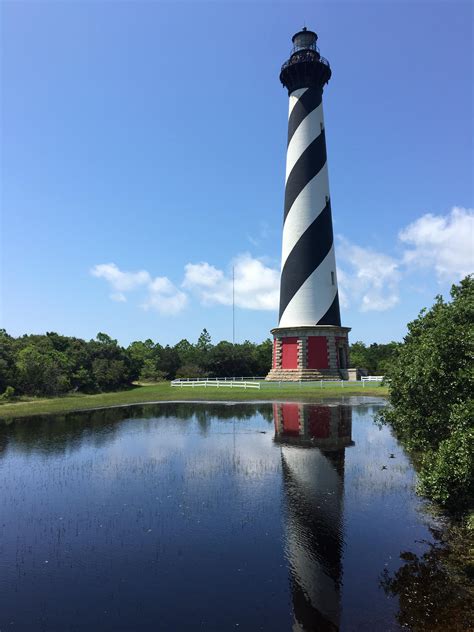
310 353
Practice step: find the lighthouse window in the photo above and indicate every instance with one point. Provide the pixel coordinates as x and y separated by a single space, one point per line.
332 278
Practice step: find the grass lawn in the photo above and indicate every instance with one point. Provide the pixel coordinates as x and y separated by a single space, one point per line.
164 392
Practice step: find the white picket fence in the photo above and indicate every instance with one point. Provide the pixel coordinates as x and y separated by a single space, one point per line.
229 382
226 383
219 379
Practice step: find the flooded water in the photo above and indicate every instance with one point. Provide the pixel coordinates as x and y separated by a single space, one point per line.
205 516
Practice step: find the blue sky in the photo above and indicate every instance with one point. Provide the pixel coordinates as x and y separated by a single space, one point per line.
144 155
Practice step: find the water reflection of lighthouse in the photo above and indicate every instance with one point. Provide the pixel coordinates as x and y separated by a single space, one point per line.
313 440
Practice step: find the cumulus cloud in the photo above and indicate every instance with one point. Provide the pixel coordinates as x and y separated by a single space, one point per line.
202 275
162 295
256 284
119 280
445 243
369 279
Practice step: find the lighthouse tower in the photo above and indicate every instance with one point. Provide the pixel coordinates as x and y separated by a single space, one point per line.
309 342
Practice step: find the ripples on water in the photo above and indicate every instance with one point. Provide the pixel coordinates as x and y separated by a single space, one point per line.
204 516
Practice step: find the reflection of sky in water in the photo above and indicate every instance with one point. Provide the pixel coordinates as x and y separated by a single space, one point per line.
195 518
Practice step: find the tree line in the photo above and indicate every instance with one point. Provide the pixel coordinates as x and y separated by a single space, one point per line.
52 364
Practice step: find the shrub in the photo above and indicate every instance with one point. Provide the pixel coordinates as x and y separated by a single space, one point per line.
447 474
431 385
8 395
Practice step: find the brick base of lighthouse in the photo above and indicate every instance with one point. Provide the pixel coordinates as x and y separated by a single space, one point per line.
310 353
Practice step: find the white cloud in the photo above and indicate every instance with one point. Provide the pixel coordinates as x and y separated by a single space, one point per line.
342 284
202 275
369 279
256 285
164 297
445 243
120 281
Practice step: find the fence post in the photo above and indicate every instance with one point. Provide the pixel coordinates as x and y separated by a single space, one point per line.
342 383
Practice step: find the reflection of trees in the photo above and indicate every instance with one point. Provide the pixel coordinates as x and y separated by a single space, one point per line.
431 595
61 433
313 440
69 432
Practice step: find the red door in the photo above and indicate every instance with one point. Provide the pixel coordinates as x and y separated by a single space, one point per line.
317 352
289 353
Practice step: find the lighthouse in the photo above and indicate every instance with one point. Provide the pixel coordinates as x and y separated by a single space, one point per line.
309 342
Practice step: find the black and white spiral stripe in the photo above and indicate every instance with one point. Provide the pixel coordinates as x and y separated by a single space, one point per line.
308 290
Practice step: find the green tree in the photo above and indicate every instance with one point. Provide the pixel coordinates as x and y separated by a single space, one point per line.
190 370
263 357
447 474
42 373
83 380
204 341
150 372
202 350
111 366
139 352
105 339
376 358
431 386
358 355
228 360
7 360
109 374
168 361
188 353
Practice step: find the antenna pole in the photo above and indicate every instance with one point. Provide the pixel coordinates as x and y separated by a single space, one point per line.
233 305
